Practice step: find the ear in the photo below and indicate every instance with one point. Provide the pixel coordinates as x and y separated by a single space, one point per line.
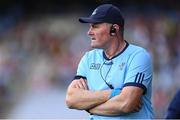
116 26
112 30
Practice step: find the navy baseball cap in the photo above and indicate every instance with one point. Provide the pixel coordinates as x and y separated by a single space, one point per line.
105 13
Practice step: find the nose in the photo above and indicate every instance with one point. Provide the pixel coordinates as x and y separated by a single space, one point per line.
89 31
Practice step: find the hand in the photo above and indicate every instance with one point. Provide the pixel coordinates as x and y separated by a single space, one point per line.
80 83
138 107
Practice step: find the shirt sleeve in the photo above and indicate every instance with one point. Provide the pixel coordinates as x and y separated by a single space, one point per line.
82 68
139 71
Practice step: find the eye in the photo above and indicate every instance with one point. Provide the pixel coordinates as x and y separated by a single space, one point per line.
95 26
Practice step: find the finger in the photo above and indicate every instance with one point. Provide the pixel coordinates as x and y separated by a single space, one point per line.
84 84
136 109
75 84
139 106
80 85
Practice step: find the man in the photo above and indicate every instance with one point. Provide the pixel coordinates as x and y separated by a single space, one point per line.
173 109
113 80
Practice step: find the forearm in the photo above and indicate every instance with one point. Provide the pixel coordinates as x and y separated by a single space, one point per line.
84 99
110 108
126 102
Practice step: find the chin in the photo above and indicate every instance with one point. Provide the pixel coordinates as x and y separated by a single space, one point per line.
95 46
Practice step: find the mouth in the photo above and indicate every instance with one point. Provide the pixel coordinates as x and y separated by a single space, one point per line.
93 39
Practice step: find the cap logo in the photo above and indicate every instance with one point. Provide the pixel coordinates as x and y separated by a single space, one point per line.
94 12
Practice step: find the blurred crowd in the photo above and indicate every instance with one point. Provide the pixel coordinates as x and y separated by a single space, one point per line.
44 51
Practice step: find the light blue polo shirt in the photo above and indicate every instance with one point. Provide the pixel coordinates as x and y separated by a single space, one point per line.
131 67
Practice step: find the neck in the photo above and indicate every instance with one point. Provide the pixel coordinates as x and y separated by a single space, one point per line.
113 51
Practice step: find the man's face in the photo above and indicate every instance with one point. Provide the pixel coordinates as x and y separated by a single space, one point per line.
99 34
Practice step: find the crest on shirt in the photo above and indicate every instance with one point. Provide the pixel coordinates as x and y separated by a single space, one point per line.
95 66
121 66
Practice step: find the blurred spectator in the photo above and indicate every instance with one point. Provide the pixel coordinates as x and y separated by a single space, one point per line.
173 109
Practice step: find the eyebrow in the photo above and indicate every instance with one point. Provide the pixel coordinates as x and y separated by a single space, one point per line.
94 24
